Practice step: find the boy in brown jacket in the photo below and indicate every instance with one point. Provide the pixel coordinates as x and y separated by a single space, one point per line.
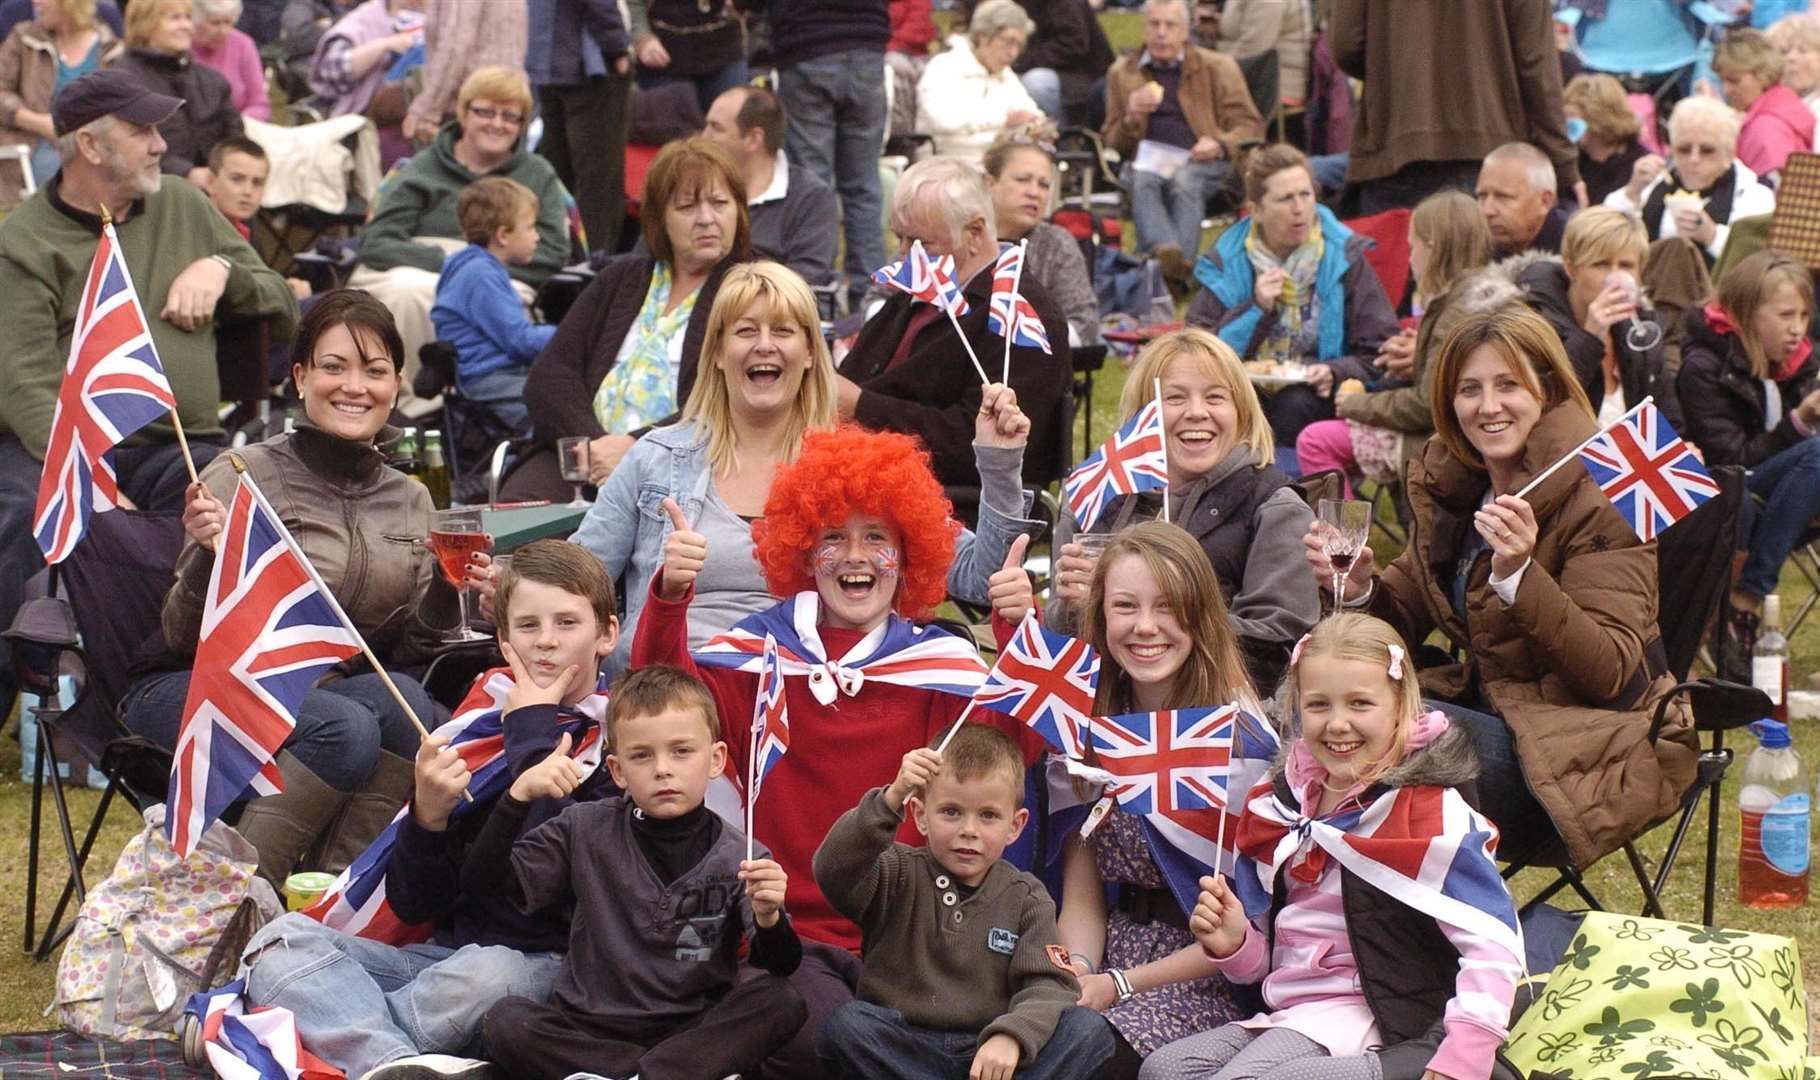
964 978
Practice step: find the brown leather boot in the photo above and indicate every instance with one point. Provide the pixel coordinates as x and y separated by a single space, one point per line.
282 827
367 813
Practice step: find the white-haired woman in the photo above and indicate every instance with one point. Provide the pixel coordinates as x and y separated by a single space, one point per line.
1703 187
219 45
968 95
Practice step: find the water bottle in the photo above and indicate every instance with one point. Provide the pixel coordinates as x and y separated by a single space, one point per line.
1773 811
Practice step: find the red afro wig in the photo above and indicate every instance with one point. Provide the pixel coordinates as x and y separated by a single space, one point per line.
851 470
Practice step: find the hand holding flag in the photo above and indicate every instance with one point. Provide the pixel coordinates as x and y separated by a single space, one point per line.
770 729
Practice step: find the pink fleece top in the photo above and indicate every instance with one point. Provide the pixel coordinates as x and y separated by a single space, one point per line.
238 60
1311 979
1776 125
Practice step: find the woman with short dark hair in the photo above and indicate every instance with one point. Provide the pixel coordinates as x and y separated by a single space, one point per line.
623 359
365 527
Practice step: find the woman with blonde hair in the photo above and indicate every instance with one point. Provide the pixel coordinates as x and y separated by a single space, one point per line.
1224 490
1549 593
764 381
159 35
1777 122
1165 641
1595 105
1376 432
1798 36
38 58
1747 359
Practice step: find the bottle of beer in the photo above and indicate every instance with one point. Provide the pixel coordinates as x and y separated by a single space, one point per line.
404 455
435 474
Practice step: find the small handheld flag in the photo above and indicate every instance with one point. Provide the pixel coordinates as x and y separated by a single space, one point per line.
1132 460
1010 315
932 281
770 728
1647 471
113 385
1048 681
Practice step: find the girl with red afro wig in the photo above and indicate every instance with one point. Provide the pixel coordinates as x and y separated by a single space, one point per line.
852 471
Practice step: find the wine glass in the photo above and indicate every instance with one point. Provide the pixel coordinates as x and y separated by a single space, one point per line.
1641 334
573 453
455 535
1345 525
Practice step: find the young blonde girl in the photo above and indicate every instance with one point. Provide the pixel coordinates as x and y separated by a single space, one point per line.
1154 612
1424 988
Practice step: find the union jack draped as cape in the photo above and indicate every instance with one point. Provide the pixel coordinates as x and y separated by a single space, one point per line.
1653 477
356 904
1422 845
112 386
257 1044
898 652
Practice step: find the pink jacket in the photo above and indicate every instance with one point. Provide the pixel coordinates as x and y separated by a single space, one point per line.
1776 125
238 60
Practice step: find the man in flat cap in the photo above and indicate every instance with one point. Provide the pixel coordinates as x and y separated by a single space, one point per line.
190 269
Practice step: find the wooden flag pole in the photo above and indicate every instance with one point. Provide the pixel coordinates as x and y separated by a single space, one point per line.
1157 385
1232 738
958 721
183 442
752 779
1017 279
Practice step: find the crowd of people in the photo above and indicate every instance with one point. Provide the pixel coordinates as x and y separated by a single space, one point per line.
606 913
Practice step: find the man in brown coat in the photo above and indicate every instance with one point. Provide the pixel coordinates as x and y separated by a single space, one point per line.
1445 85
1177 114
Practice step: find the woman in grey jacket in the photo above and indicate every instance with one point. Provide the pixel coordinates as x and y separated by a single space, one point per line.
764 380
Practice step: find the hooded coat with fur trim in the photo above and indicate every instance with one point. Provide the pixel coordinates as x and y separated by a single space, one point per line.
1573 666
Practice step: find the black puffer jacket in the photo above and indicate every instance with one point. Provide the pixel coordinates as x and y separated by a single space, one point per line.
208 114
1728 422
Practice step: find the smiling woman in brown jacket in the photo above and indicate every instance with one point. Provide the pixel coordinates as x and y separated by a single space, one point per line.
1551 598
364 525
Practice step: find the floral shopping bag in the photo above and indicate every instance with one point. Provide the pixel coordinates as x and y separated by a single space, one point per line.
1636 998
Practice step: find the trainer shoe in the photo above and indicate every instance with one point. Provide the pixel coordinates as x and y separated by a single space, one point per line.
433 1067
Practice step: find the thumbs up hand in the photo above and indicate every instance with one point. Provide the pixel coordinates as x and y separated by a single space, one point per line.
684 554
1009 588
552 778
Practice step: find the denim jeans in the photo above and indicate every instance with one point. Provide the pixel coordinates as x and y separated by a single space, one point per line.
1790 486
341 726
502 391
707 87
836 106
1504 796
360 1004
1044 86
1171 211
863 1040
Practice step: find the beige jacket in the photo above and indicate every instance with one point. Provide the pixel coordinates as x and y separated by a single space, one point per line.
1251 27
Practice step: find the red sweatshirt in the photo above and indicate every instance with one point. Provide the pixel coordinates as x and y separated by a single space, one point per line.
837 752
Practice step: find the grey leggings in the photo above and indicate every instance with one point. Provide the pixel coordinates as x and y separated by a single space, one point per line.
1234 1053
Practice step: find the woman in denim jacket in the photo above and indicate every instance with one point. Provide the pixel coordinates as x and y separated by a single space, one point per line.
765 379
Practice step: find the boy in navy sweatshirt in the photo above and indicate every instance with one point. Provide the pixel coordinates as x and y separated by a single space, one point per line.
476 308
661 895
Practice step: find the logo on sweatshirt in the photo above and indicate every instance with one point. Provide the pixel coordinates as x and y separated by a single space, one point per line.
1001 940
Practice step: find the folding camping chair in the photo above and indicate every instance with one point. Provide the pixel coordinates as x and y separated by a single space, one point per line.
1696 555
98 610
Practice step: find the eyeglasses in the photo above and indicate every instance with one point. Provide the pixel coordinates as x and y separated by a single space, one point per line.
1693 149
490 114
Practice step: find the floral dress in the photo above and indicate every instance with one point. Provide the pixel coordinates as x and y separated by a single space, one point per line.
1156 1017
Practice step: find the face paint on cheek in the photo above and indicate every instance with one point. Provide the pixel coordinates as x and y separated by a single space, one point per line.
885 560
826 558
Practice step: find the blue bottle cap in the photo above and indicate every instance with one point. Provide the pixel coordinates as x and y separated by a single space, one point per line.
1773 734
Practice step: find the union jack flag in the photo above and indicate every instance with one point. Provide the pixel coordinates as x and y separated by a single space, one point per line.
113 385
897 651
253 1044
770 719
929 280
1423 845
1167 762
1647 471
1133 460
356 903
1010 315
270 630
1047 680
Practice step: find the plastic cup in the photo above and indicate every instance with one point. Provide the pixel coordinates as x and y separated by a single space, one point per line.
1093 545
303 889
